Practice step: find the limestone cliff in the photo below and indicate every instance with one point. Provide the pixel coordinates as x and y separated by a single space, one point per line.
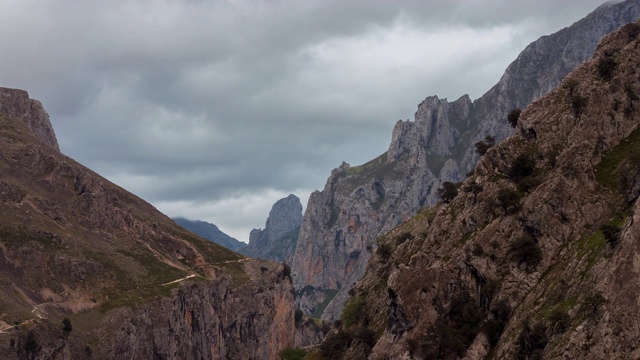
536 256
359 203
277 241
130 282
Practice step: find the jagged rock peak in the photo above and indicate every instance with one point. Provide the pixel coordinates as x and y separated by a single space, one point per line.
277 241
16 104
285 215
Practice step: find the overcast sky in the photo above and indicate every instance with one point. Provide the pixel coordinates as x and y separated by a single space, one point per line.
214 110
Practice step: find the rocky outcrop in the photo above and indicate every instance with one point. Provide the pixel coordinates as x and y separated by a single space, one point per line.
16 104
213 321
277 241
210 232
536 257
359 203
132 283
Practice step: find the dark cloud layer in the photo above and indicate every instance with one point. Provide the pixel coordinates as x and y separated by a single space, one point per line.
215 109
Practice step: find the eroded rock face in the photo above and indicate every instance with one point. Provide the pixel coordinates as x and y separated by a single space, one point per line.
213 321
15 104
532 257
360 203
277 241
134 284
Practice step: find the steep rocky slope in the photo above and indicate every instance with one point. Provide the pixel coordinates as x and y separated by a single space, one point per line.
277 241
360 203
130 281
210 232
537 255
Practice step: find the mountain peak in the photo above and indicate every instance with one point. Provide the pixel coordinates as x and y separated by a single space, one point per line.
16 104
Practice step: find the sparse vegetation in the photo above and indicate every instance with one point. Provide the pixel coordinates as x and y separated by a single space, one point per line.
483 146
532 341
354 311
513 117
452 332
509 200
403 236
578 104
66 325
525 250
522 166
559 320
293 354
448 191
385 250
592 304
606 67
611 233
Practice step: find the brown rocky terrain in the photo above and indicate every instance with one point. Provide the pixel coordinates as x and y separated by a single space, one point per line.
131 282
360 203
537 255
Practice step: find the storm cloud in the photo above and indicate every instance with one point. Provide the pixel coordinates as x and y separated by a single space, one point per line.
213 110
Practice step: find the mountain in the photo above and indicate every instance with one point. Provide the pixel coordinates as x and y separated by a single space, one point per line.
279 238
90 271
536 257
360 203
210 232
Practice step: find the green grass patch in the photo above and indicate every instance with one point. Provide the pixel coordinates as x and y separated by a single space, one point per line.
608 170
378 168
329 296
354 311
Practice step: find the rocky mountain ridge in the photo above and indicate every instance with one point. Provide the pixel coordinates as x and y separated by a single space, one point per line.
360 203
90 271
277 241
536 256
210 232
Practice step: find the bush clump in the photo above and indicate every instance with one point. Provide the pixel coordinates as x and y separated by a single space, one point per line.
606 67
448 191
522 166
611 234
525 250
293 354
483 146
453 332
513 117
532 341
509 200
354 311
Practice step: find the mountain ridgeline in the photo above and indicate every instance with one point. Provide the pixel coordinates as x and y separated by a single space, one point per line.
90 271
361 203
210 232
536 257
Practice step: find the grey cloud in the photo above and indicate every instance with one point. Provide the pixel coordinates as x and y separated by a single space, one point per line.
199 101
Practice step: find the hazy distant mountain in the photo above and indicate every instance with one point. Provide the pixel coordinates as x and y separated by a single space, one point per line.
210 232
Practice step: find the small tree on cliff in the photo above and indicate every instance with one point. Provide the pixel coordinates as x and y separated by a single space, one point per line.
448 191
513 117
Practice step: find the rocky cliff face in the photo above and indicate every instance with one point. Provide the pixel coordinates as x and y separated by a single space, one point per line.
210 232
359 203
16 104
277 241
536 257
132 283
